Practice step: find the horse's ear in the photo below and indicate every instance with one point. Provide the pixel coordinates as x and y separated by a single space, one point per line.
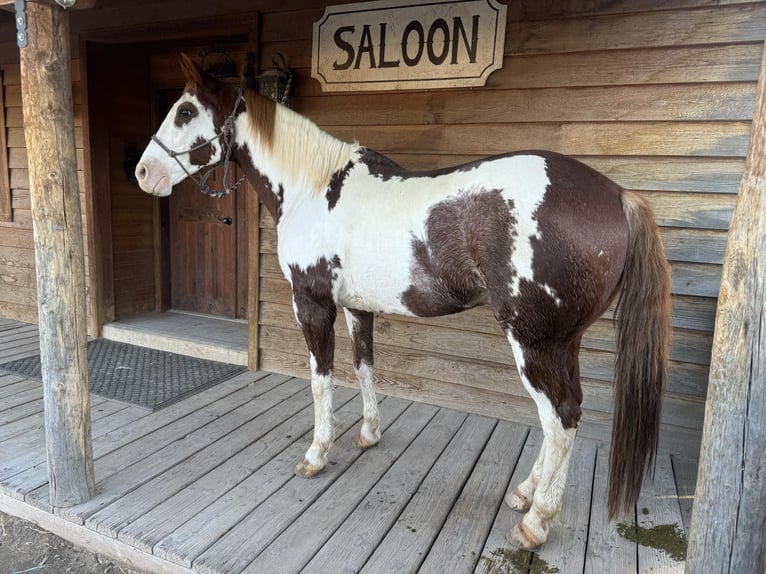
195 74
192 70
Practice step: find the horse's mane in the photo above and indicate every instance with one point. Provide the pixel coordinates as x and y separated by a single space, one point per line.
303 153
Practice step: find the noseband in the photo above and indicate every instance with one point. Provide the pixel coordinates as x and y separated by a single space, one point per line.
225 135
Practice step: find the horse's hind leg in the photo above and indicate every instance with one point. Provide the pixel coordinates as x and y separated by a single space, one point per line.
360 328
546 377
520 499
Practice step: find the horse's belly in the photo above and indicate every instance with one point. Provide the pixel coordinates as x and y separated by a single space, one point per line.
377 293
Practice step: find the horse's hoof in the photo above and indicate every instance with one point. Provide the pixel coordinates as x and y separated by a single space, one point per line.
520 537
306 470
518 501
363 443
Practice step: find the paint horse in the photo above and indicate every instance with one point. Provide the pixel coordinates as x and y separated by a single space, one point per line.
544 240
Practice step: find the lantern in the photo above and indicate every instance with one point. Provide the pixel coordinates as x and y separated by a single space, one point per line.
275 83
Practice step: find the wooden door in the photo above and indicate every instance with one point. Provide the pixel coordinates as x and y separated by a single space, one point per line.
204 266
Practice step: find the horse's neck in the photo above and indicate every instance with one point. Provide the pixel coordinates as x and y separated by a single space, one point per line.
301 160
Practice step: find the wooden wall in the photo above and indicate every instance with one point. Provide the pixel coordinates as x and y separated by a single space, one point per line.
657 95
660 100
18 289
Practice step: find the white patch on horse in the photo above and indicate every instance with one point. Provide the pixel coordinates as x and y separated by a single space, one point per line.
530 182
552 293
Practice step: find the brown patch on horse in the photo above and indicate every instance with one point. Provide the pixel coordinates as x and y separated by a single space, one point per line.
336 183
379 165
272 197
201 155
361 337
315 309
467 242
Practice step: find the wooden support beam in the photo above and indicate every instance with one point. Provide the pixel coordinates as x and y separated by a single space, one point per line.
728 532
46 83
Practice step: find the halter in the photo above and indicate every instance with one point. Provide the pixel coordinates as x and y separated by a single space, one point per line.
225 135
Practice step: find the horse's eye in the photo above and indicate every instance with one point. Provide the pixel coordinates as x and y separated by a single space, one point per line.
185 113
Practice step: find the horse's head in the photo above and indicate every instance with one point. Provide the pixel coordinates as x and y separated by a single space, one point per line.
192 136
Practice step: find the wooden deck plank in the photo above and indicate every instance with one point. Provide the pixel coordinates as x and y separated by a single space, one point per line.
163 449
129 437
211 524
25 450
261 417
498 552
566 545
462 538
361 532
281 512
657 514
10 385
607 550
22 396
20 426
685 472
150 528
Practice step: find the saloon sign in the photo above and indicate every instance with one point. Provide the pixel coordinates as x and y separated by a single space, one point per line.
397 44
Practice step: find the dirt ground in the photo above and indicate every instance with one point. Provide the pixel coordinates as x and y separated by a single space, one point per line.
26 548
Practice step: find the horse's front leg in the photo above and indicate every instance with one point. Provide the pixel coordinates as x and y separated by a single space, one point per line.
316 318
360 328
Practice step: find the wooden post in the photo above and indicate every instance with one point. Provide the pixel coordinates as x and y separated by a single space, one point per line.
46 83
728 532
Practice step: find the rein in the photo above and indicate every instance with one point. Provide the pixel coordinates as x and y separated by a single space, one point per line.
225 135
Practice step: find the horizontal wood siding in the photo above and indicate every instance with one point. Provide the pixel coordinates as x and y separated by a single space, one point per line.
660 100
18 284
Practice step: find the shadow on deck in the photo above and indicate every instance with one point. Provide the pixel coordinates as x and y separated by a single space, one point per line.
206 485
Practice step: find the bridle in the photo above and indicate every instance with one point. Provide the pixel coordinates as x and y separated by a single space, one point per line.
225 136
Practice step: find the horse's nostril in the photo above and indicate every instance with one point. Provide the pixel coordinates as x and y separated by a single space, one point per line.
141 172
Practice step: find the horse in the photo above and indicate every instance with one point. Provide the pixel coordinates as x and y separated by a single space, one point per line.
546 241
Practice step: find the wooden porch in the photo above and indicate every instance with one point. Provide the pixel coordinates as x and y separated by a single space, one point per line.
206 485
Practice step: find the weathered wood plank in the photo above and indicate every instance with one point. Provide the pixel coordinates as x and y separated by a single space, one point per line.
607 550
661 535
299 500
721 25
566 545
471 518
357 535
186 543
722 139
667 102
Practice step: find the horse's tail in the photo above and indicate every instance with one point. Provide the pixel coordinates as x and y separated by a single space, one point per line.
643 341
